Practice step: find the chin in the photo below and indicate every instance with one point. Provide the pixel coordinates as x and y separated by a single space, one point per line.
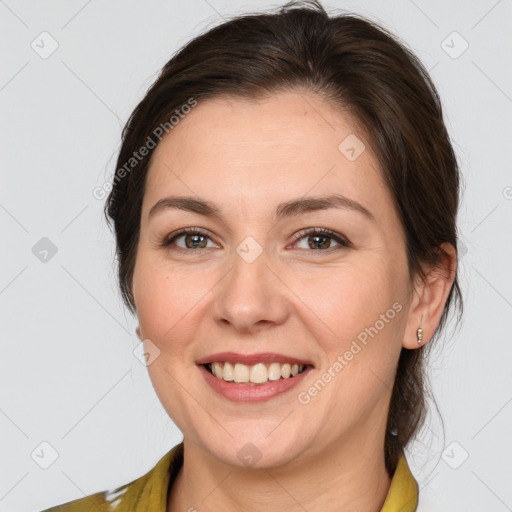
260 451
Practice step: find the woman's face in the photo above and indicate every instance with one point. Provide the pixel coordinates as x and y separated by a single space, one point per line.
251 279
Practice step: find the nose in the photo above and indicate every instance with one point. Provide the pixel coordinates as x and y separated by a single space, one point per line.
251 296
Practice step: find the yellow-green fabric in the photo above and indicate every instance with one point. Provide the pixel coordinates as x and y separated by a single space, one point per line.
403 491
149 492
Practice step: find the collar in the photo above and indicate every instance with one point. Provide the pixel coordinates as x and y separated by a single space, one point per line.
403 491
149 492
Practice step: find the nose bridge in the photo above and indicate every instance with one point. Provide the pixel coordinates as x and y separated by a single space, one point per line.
250 292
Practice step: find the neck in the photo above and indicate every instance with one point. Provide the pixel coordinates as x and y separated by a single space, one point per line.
351 477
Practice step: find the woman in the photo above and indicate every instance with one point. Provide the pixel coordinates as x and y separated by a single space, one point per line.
285 207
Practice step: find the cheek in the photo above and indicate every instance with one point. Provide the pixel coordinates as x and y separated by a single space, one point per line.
343 302
356 316
169 299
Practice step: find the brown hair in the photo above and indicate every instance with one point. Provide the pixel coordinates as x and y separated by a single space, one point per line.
351 62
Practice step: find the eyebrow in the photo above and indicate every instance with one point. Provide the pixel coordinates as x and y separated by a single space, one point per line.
283 210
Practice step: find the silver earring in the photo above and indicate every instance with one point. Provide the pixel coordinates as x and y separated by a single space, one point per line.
420 335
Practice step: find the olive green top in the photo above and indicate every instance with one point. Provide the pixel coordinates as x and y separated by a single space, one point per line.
149 492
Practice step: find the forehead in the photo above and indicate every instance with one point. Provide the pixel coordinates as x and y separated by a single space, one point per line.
256 151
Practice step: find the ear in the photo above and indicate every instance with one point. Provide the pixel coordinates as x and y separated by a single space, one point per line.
137 330
429 297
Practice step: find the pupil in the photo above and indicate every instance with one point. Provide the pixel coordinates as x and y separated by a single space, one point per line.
318 237
195 238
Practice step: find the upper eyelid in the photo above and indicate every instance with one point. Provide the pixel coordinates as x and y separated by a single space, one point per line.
338 237
186 231
342 240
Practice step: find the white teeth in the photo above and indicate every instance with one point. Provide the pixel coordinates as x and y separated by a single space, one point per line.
255 374
274 371
259 373
240 373
217 370
228 372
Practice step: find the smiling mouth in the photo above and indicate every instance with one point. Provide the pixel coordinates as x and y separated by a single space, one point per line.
257 374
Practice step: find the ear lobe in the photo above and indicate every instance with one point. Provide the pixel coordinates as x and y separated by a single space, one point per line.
429 298
137 330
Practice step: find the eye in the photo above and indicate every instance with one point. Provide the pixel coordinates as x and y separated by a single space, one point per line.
193 239
320 239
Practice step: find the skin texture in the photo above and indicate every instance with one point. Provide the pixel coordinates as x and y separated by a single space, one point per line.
247 157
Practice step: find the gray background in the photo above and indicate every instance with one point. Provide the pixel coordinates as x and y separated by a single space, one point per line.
69 378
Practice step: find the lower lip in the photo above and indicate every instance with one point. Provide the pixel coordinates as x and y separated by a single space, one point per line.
239 392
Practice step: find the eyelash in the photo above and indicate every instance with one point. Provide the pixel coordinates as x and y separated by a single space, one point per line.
342 241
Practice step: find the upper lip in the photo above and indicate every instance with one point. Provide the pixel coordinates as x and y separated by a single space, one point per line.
251 359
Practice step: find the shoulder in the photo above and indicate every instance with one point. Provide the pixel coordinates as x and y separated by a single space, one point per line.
104 501
149 490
